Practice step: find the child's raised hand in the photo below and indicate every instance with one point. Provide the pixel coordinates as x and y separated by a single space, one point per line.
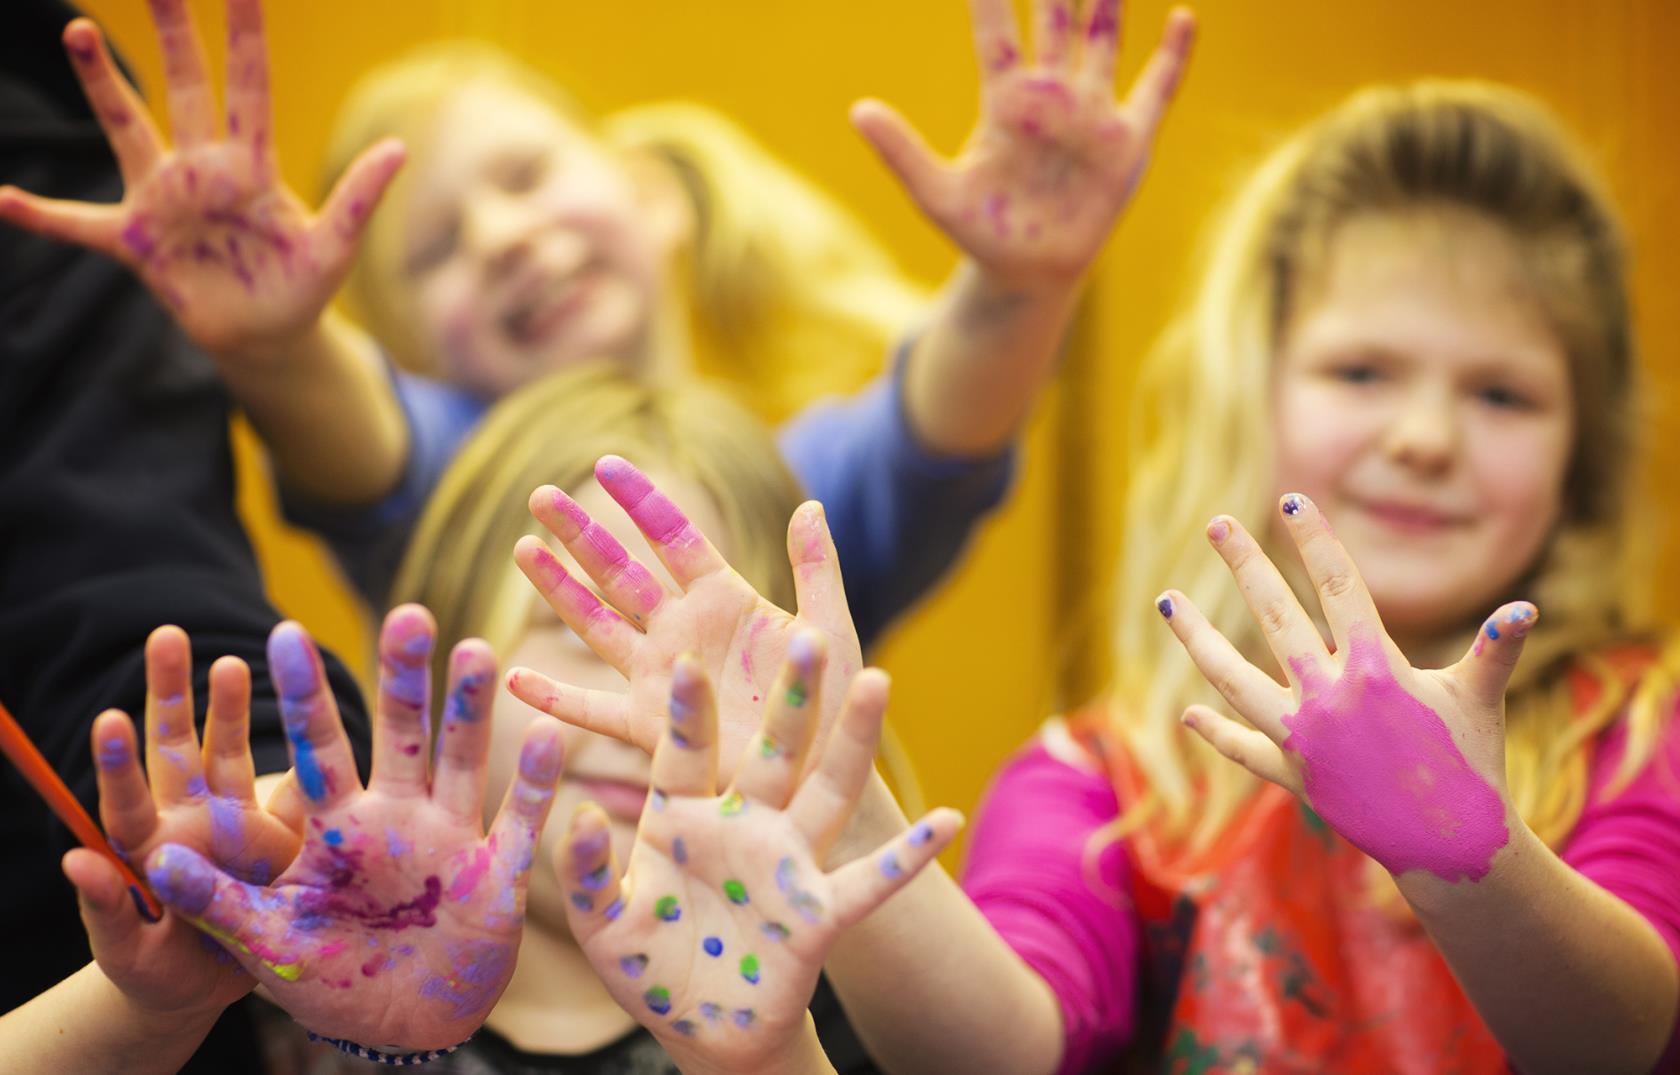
202 798
207 223
715 935
1407 764
1053 159
640 628
397 925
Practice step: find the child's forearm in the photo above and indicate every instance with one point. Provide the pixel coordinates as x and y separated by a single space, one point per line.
85 1023
926 981
326 411
976 372
1567 976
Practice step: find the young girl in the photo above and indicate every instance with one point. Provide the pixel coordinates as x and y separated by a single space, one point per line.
1416 315
521 241
560 1013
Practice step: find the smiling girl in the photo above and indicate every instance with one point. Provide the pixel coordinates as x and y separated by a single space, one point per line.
1416 315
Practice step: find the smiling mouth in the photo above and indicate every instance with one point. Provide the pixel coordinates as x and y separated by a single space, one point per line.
532 318
1409 519
621 798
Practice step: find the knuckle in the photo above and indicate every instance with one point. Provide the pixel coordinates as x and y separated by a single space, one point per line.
1338 583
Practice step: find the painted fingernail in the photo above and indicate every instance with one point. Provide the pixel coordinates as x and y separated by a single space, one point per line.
1293 503
1164 606
1219 529
1188 719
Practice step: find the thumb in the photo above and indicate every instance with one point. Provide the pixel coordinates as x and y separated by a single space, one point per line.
109 915
903 150
1487 668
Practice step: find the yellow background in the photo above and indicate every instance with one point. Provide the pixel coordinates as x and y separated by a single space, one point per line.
1018 632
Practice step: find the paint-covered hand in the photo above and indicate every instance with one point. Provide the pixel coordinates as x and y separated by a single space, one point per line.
207 222
1054 158
715 935
202 798
1407 764
640 628
397 924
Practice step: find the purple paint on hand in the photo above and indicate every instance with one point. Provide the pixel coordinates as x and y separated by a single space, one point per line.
139 241
181 879
1381 768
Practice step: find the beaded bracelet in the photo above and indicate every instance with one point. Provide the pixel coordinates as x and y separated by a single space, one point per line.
393 1059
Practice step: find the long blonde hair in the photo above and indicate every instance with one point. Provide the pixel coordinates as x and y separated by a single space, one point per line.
782 293
459 563
1433 144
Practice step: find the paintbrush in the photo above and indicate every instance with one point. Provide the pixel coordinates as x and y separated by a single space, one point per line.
24 754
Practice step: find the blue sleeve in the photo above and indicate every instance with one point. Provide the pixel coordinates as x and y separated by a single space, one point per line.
900 515
368 539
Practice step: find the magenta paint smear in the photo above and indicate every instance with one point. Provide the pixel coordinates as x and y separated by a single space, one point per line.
466 882
1382 769
631 575
1004 56
1105 20
662 521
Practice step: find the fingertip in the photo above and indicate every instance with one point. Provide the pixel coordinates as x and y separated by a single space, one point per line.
1219 528
542 754
93 878
1166 604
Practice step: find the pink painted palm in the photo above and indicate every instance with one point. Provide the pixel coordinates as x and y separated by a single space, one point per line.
397 925
1408 764
207 222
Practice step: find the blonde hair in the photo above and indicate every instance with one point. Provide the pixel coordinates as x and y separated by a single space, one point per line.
783 293
1430 145
459 563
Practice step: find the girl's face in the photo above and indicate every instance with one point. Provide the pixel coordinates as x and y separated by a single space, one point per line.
611 773
526 244
1425 404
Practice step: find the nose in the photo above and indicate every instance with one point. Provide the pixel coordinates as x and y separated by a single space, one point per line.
1424 435
499 232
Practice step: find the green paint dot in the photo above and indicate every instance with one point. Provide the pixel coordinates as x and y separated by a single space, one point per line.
732 804
767 747
749 968
736 891
667 910
796 694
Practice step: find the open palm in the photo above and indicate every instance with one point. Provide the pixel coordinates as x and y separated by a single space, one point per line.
716 933
397 925
640 628
1053 158
207 223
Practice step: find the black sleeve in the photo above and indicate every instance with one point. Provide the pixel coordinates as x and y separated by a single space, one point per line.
116 506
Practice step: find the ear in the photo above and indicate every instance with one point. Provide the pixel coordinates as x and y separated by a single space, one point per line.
663 196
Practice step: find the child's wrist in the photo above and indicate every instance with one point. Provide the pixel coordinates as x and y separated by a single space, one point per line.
165 1024
1507 877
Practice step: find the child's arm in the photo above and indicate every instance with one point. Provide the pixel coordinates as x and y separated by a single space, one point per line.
245 268
395 928
1409 766
930 948
1030 201
715 935
154 989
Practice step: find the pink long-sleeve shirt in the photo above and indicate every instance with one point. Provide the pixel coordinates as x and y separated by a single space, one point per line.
1063 907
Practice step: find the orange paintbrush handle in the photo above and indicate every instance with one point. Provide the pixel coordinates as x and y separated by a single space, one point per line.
24 754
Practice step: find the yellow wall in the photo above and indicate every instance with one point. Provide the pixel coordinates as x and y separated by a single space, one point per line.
979 666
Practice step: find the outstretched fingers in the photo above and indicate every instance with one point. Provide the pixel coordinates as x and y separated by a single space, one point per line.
774 760
1153 91
1248 748
321 757
517 828
1250 691
603 630
1486 669
463 741
679 544
864 884
402 727
825 800
602 712
122 115
589 873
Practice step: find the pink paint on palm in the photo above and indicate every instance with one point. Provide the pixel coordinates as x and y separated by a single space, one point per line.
631 575
1381 768
467 880
652 511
